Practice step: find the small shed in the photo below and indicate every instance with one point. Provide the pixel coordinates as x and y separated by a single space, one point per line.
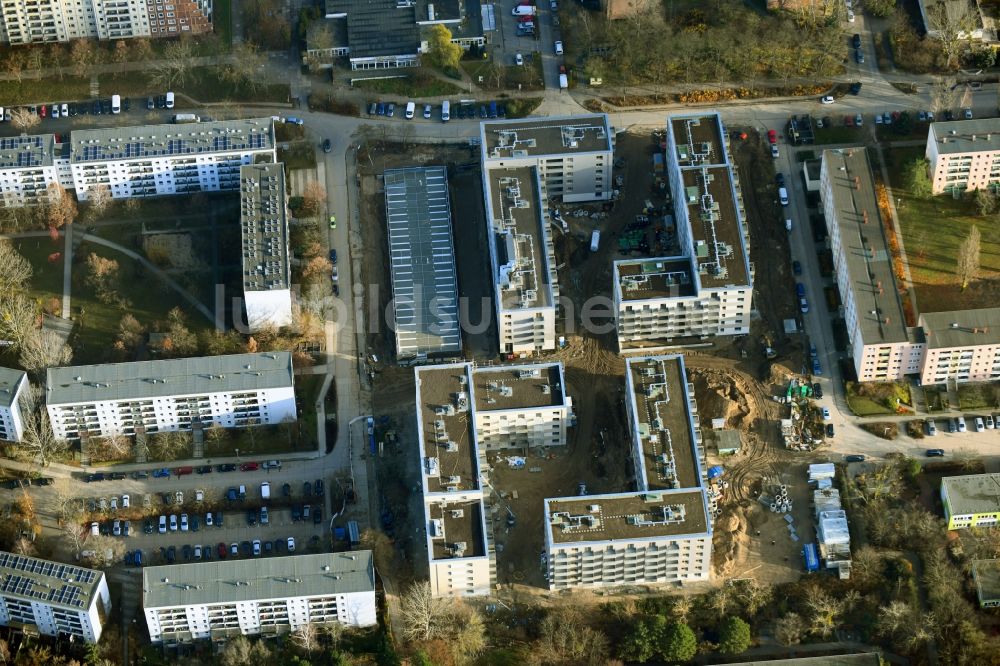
728 442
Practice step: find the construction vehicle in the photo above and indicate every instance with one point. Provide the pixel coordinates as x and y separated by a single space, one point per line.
768 348
511 518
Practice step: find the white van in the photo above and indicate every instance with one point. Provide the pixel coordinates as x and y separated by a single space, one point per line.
523 10
170 100
95 529
563 82
783 196
410 110
265 490
116 104
445 111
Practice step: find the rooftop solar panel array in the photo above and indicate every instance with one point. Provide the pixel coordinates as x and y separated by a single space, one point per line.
264 227
26 151
170 140
42 580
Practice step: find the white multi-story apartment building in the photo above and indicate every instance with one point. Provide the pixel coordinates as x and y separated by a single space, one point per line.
962 346
57 599
267 294
660 533
13 388
882 346
706 289
572 154
153 160
27 168
229 391
964 154
422 262
462 412
41 21
272 596
524 164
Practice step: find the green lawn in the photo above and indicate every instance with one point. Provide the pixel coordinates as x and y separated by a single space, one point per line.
46 278
409 85
935 398
839 133
97 322
222 21
871 399
299 155
979 396
205 84
30 91
932 231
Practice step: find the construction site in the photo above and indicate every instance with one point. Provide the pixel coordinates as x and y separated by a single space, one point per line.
737 381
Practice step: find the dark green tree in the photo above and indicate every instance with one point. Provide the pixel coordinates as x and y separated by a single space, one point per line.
641 643
734 636
678 643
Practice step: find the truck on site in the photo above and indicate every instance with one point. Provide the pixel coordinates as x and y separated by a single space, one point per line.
595 240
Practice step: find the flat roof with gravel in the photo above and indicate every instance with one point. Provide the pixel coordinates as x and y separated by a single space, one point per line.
448 454
662 277
422 261
456 529
966 136
627 516
986 574
662 405
519 387
168 377
234 581
554 136
524 279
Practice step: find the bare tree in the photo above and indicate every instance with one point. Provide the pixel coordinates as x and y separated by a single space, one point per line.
244 68
789 629
107 550
39 442
306 638
952 24
99 198
167 446
175 66
424 615
62 207
943 94
313 198
824 613
83 56
469 639
564 638
75 535
18 318
14 65
15 270
968 257
23 119
46 349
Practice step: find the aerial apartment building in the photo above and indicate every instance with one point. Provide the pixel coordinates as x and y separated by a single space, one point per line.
882 346
525 163
222 599
660 533
964 154
13 388
462 412
27 168
45 21
971 501
54 598
706 288
961 346
229 391
267 294
422 263
153 160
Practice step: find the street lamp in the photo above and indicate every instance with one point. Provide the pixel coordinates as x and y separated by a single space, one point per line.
237 455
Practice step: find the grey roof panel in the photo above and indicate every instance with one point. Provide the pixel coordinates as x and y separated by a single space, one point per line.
966 136
962 328
162 378
230 581
264 227
10 379
422 261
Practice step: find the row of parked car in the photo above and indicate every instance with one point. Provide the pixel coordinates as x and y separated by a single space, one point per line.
108 105
197 552
958 424
487 110
166 472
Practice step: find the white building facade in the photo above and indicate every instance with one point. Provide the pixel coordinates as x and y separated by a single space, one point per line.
278 595
45 21
58 599
27 169
706 290
13 392
230 391
960 346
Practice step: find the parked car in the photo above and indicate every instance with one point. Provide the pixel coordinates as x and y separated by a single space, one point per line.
256 547
827 99
829 430
184 522
934 453
854 458
249 467
856 41
826 414
291 544
222 550
327 145
228 467
817 390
